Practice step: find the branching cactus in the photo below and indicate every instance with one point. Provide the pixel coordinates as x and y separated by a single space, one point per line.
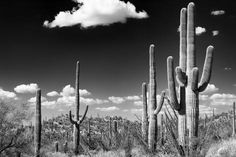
37 133
145 113
187 75
77 121
153 106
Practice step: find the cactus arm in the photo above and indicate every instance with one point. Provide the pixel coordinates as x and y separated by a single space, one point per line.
183 40
85 112
194 83
160 104
206 75
71 120
191 56
180 77
171 84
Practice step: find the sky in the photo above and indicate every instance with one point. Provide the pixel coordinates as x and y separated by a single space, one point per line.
40 42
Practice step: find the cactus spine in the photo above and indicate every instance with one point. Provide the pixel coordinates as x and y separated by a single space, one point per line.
37 133
187 75
145 114
154 109
233 133
77 121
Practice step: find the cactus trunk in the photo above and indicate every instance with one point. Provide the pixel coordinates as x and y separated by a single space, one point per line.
145 114
37 134
233 133
152 101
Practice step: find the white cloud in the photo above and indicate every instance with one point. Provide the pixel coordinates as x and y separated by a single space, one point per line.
112 108
125 110
67 91
91 101
84 92
215 32
116 100
211 88
135 110
218 12
7 95
49 103
52 94
222 99
138 103
135 97
206 110
96 12
203 97
200 30
33 99
66 100
26 88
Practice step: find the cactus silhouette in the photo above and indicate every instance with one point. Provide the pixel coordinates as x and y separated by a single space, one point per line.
233 132
37 133
154 108
77 121
145 113
187 75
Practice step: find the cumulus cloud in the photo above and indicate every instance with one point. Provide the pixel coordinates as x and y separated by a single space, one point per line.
217 12
138 103
112 108
96 12
26 88
116 100
211 88
200 30
50 104
206 110
33 99
52 94
7 95
135 97
222 99
68 90
135 110
215 32
84 92
91 101
203 97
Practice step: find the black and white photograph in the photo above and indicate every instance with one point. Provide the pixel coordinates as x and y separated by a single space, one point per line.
117 78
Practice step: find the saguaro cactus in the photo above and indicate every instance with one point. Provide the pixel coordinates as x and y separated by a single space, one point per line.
145 113
153 107
187 75
77 121
233 133
37 133
56 146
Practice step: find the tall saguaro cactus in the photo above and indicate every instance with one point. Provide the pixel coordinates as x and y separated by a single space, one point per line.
37 133
77 121
187 74
154 108
233 133
145 113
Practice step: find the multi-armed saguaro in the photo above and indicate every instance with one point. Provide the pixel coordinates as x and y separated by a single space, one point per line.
77 121
37 133
187 75
145 113
154 108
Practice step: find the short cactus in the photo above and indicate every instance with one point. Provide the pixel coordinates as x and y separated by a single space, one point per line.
37 133
145 113
233 132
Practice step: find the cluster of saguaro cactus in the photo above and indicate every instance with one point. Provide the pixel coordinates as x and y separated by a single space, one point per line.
37 133
150 132
77 121
187 76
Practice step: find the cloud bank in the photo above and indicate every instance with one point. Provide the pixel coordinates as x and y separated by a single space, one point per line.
200 30
26 88
96 12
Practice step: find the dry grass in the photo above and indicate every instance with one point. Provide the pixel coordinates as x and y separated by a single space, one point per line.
226 148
